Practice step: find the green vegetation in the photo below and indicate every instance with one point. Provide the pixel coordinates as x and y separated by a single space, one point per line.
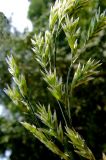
68 61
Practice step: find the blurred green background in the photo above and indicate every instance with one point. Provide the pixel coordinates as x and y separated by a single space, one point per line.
89 102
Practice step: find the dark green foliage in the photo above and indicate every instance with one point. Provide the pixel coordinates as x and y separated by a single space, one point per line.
88 103
43 49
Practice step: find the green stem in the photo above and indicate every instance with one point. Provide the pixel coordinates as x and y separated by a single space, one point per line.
62 113
55 47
